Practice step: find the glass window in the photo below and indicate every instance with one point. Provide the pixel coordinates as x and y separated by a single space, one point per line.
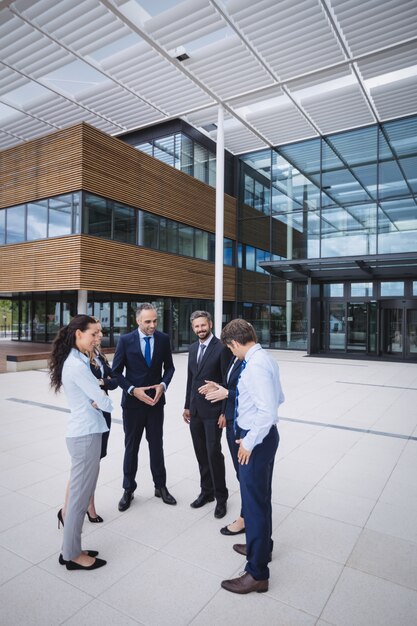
15 224
250 258
150 230
414 287
146 147
2 226
348 231
397 226
212 247
249 195
392 288
97 217
200 162
37 216
163 150
391 180
201 244
168 236
333 290
360 290
212 169
186 155
60 218
185 240
228 252
124 223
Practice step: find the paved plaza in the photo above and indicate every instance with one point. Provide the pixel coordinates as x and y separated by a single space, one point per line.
344 511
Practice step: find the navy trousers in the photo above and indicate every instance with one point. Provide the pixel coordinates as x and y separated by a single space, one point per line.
255 488
150 420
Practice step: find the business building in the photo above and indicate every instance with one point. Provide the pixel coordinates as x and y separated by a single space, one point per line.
112 117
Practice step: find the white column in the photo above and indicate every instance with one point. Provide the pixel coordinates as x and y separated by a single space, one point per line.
82 301
218 280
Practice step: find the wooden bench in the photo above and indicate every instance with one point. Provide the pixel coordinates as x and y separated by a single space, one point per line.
38 360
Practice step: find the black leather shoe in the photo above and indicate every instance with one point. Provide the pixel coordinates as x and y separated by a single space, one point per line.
201 501
62 561
125 501
225 531
165 495
220 510
97 563
240 548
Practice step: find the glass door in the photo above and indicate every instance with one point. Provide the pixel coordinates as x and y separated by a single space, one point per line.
357 327
411 334
336 326
392 331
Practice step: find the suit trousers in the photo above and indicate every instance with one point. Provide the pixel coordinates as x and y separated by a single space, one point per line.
233 447
256 490
85 465
135 421
206 437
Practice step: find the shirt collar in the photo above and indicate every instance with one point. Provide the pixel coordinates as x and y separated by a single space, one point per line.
252 350
80 355
142 335
207 341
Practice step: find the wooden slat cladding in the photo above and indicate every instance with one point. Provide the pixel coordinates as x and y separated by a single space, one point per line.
118 171
46 265
83 262
43 167
82 157
123 268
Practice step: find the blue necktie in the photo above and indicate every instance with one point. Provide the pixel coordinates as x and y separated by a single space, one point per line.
148 351
235 424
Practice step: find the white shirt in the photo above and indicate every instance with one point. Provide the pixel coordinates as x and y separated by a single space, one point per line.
259 397
81 389
143 342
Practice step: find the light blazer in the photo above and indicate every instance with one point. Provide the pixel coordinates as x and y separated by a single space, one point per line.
129 357
211 368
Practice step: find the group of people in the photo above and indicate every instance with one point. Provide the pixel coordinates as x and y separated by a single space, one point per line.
232 383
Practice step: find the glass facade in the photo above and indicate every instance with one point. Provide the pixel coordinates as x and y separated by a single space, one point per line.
108 219
183 153
351 194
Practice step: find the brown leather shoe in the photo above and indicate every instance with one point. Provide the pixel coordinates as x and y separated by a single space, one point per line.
245 584
241 549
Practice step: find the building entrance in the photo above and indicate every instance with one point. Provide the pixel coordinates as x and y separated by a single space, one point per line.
351 327
399 329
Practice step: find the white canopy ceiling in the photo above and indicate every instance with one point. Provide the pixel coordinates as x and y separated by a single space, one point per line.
284 70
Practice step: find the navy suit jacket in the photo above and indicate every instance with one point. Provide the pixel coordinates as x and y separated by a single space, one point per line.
129 357
228 406
212 368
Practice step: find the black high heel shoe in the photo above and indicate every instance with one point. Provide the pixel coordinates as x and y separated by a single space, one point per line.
60 518
94 520
97 563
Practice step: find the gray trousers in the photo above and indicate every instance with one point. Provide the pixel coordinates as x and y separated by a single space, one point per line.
85 465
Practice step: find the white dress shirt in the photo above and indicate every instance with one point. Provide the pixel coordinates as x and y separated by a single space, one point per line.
143 342
259 397
81 389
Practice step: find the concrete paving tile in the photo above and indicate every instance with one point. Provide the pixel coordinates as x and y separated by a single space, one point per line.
186 591
295 580
36 598
337 505
395 520
319 535
97 613
387 557
362 599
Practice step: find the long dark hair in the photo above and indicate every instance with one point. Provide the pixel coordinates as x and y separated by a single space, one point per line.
62 346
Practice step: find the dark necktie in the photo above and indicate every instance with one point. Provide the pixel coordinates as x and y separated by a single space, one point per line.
200 356
148 350
235 425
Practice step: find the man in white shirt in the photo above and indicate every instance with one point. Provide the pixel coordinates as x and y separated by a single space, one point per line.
259 395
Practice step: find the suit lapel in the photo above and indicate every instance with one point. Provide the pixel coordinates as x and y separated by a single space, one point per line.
137 347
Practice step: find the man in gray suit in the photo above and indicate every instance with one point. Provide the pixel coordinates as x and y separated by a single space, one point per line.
206 361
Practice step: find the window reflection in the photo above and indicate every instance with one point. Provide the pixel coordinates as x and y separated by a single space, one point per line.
15 224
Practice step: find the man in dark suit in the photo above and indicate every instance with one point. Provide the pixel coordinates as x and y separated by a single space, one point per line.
205 362
143 354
